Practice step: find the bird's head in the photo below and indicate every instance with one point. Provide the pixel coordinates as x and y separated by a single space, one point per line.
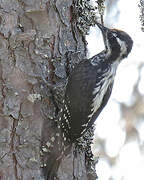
117 42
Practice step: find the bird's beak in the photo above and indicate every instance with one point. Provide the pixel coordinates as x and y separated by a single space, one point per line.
104 31
102 28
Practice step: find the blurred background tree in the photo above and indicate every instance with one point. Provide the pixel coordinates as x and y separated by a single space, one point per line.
119 134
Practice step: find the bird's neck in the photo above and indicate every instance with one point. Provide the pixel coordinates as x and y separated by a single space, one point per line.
113 53
116 51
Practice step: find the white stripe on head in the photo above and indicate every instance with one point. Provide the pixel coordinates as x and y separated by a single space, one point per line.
123 46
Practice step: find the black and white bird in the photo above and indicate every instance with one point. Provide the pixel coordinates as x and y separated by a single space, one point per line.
90 83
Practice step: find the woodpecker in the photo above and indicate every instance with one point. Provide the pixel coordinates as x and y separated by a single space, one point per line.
90 83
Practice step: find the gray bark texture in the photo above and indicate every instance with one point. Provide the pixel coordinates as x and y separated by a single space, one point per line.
35 36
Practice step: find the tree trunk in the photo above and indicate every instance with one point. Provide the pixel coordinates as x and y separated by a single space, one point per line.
39 44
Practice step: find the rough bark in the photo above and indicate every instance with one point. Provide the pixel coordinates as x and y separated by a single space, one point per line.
35 37
141 6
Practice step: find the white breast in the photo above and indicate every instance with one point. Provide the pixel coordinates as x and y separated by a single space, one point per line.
102 87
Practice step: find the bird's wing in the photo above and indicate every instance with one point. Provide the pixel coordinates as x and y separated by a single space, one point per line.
79 96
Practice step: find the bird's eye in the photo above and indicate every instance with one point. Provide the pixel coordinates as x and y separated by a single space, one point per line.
110 35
